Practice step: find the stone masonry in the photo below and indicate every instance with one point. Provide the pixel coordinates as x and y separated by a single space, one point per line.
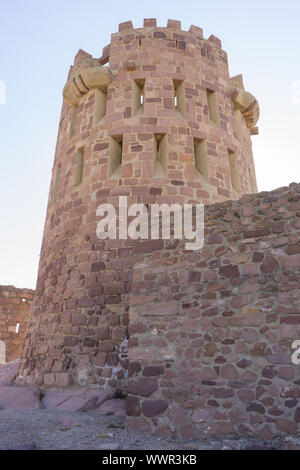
211 331
162 122
200 341
14 313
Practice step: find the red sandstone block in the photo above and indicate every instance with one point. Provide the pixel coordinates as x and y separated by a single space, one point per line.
115 288
168 103
215 40
132 406
63 379
196 31
162 308
49 379
101 146
149 22
125 26
291 262
98 266
147 247
106 346
100 359
86 302
159 34
143 386
175 24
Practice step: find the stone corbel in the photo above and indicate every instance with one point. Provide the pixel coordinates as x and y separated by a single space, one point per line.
84 79
244 101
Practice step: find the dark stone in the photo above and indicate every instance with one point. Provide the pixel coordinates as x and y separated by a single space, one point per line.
213 403
269 265
133 368
257 407
243 363
143 386
291 403
98 266
222 393
257 257
154 407
132 406
269 372
229 271
297 415
153 371
256 233
275 411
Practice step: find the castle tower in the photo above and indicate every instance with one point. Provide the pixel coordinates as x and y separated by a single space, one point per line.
157 119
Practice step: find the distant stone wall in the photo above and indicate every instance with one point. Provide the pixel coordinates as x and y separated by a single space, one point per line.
156 119
14 310
211 330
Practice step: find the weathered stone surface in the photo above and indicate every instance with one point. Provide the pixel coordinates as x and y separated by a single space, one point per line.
115 406
21 398
143 386
153 408
229 372
81 399
8 372
132 406
257 407
201 415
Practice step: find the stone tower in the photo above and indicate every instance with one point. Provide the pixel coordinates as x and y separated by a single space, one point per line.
158 119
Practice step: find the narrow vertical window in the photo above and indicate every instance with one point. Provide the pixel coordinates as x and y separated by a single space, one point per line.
79 166
200 154
56 184
115 157
138 97
160 143
179 97
73 121
213 110
100 105
234 171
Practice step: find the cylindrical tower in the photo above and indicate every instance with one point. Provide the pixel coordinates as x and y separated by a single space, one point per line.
157 119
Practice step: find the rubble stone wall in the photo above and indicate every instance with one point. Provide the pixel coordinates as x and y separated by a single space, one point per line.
211 331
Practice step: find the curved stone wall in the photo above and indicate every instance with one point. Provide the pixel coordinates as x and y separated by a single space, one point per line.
156 118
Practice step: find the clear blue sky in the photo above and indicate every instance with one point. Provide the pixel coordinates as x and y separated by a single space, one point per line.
38 41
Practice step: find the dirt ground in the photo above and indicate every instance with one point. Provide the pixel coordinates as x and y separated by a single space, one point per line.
55 429
89 419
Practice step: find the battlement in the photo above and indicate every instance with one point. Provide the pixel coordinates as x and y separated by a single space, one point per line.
173 33
173 26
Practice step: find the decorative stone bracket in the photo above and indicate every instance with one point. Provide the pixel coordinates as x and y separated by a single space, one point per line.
244 101
85 78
